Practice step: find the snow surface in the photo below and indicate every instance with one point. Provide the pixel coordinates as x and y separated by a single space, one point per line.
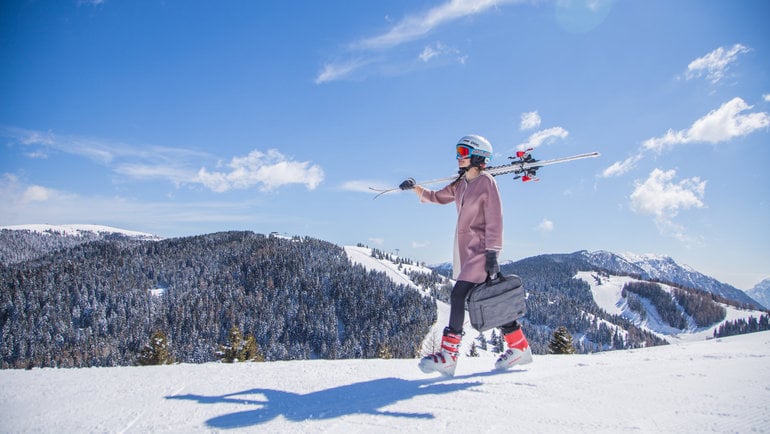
720 385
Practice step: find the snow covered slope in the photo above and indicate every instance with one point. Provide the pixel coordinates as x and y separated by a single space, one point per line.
720 385
607 290
363 257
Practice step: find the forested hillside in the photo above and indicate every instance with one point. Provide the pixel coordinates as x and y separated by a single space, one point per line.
98 303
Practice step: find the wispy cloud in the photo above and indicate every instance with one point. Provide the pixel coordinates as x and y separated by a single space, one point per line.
715 64
440 50
334 71
23 203
265 170
419 25
373 50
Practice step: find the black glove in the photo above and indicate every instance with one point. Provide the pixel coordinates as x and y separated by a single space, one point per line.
491 266
408 184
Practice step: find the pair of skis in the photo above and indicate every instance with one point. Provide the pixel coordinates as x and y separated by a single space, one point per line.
524 167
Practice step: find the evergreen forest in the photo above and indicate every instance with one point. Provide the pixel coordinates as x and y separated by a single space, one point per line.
100 303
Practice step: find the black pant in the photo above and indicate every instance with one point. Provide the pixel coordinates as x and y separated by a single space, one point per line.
457 309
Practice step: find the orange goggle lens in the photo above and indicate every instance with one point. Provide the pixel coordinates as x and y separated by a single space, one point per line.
463 151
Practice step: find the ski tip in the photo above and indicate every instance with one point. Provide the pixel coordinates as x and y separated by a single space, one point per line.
380 191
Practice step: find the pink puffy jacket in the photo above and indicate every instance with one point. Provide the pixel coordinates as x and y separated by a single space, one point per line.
479 223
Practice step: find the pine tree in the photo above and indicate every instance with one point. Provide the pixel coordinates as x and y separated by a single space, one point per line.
251 349
230 352
497 341
383 352
482 341
474 352
157 352
239 349
561 342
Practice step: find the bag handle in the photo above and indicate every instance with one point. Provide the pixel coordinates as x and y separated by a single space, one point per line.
499 277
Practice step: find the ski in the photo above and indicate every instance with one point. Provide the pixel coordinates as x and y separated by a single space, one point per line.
524 167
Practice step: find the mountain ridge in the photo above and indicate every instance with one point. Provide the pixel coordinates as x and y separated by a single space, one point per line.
650 266
761 292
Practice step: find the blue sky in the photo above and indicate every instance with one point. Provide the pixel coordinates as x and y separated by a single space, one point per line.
189 117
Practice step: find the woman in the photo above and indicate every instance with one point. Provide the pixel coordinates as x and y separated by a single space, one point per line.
478 241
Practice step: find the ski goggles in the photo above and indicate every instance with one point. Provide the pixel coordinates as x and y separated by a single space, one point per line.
464 151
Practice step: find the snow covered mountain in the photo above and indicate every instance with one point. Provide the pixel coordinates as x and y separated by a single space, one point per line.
24 242
647 267
664 268
80 230
761 293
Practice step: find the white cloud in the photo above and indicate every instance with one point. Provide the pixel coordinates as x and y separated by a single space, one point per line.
719 125
715 64
545 226
15 194
420 245
16 197
621 167
269 170
35 193
377 241
723 124
530 120
544 136
437 50
766 97
662 198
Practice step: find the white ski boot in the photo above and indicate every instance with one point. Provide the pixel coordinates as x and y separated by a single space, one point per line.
444 361
518 352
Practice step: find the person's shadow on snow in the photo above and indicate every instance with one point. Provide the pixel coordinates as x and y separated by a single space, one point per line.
358 398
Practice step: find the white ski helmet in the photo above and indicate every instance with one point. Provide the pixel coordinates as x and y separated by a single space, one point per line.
476 146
